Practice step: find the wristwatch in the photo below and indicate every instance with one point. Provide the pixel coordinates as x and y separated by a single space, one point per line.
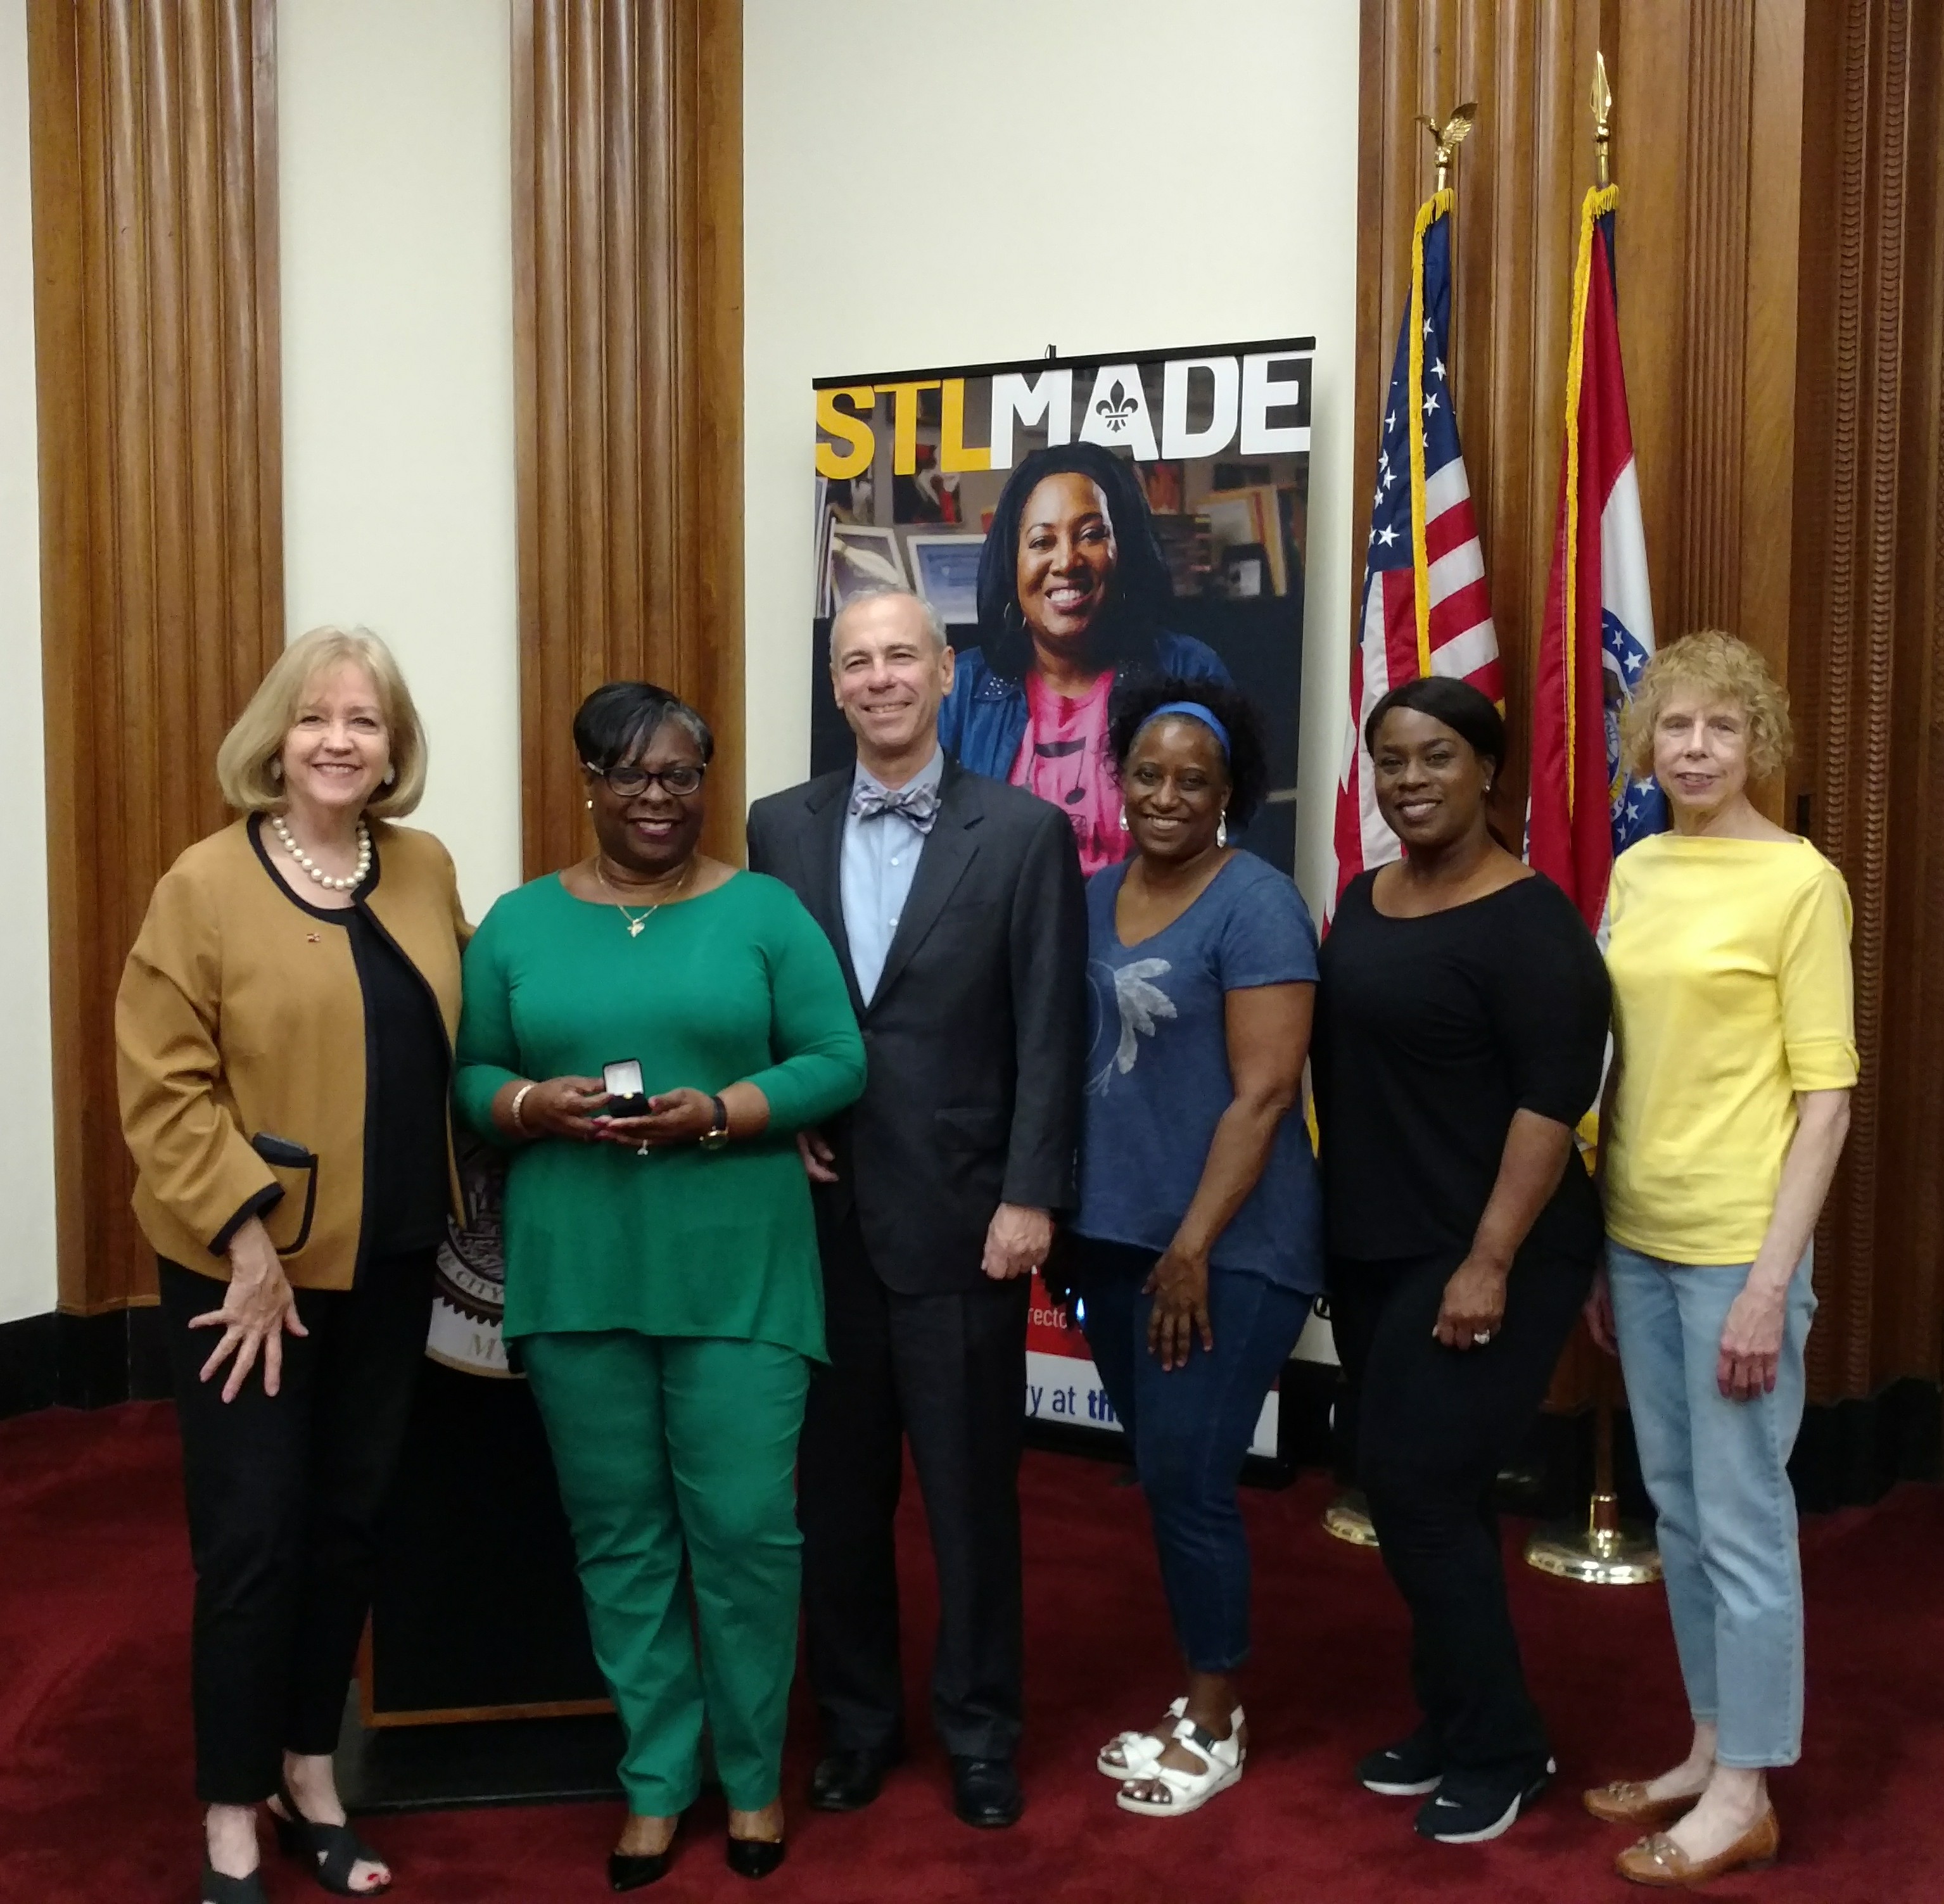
717 1135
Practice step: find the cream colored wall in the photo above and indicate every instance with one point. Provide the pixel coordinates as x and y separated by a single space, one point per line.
395 176
933 185
27 1282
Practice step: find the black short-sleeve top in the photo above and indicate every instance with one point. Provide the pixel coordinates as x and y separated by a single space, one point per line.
1431 1034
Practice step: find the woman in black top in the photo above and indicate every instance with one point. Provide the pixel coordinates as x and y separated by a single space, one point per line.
1461 1027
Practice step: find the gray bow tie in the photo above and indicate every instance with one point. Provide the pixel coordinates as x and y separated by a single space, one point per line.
916 803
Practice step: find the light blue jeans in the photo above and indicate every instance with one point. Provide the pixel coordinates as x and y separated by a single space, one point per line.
1718 1472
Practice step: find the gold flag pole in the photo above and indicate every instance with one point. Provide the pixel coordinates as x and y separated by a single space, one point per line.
1348 1516
1606 1551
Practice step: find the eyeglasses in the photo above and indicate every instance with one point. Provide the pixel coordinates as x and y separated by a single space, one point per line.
630 783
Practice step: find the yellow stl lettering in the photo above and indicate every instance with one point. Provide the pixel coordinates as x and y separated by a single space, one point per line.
954 453
850 454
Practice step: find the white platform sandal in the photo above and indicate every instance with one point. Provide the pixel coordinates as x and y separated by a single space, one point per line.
1128 1753
1186 1791
1136 1751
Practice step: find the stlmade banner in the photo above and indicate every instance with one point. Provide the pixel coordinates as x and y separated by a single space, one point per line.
1076 521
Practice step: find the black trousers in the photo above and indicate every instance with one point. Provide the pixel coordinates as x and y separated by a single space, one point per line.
285 1493
948 1372
1433 1426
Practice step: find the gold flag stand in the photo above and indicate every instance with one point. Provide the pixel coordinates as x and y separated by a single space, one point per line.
1348 1518
1605 1551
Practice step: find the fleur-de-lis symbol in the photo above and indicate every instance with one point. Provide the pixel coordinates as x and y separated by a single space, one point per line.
1117 410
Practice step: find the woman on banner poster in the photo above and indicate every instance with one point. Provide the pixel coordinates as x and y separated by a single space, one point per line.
1074 595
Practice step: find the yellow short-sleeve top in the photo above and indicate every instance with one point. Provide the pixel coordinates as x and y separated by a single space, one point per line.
1731 967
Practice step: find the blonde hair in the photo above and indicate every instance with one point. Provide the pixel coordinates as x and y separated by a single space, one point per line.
243 762
1722 667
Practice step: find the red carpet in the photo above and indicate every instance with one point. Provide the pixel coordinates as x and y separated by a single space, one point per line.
95 1781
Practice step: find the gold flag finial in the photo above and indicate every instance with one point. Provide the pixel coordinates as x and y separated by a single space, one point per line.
1603 113
1450 136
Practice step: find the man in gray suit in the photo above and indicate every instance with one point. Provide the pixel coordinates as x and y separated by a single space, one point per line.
956 910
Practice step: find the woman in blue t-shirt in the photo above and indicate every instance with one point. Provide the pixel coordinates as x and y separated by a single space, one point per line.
1197 1249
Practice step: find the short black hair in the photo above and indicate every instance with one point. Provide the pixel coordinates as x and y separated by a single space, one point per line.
620 717
1469 712
1133 706
1131 619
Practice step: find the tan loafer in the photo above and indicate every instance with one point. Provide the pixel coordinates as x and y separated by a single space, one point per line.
1659 1860
1625 1801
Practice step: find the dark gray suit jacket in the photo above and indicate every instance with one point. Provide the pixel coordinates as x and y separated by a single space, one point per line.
975 1035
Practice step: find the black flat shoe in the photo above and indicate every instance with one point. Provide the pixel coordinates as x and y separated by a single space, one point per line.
848 1781
328 1852
218 1889
985 1792
628 1871
755 1857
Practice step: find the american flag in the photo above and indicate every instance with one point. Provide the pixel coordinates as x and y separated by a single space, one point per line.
1427 609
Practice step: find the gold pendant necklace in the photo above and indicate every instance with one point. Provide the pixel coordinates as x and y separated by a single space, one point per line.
636 921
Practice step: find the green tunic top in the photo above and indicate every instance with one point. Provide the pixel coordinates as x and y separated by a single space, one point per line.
737 983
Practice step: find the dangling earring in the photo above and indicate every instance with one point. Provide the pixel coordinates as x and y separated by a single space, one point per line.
1222 829
391 774
1123 819
590 806
276 768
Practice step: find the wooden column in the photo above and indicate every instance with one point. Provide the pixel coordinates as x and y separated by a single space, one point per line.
627 208
153 139
1868 674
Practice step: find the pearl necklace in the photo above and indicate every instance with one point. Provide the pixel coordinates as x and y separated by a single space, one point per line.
316 871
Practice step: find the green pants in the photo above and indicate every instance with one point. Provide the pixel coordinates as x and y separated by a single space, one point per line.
671 1449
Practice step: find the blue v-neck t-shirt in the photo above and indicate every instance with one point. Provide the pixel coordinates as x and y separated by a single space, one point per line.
1157 1077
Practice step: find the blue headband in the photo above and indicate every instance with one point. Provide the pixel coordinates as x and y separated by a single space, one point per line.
1196 712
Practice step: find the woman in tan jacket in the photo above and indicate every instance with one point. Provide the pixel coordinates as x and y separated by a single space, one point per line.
284 1026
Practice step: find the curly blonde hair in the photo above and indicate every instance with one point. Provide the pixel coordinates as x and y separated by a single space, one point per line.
1722 667
243 762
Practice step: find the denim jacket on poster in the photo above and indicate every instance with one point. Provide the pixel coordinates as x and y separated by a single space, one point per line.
984 717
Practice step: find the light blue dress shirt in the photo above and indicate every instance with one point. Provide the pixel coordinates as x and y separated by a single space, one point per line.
880 858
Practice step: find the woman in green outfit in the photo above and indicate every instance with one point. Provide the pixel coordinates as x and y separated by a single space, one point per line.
662 1276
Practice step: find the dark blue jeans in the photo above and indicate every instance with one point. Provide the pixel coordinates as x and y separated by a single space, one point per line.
1189 1429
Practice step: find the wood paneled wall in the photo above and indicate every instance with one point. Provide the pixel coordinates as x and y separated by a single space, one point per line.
155 318
1781 268
627 207
1867 675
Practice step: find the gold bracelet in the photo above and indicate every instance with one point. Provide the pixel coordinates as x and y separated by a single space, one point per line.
513 1110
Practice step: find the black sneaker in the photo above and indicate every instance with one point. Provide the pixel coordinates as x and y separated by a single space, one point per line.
1471 1814
1405 1770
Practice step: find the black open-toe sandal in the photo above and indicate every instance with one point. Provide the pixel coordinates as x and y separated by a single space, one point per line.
329 1852
219 1889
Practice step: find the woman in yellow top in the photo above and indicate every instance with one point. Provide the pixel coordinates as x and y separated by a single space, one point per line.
1726 1108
